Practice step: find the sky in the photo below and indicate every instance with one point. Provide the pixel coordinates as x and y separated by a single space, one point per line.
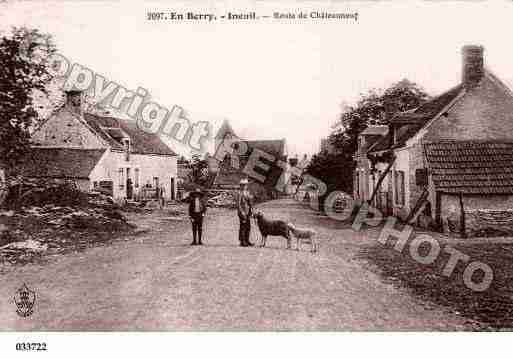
273 79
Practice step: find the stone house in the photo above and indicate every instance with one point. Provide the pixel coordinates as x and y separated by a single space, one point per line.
447 164
101 153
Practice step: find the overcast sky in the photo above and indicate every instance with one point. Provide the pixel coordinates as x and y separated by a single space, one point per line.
273 79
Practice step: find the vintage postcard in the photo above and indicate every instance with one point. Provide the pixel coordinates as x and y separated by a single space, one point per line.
219 166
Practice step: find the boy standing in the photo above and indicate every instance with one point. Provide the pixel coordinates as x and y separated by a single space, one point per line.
197 209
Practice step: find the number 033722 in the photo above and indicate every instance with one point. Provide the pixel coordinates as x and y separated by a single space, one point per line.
30 346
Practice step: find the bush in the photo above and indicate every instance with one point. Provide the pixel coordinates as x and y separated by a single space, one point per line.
31 193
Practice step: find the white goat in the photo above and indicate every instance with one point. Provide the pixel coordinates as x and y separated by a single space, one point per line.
304 235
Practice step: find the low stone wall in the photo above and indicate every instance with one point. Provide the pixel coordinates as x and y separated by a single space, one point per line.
487 222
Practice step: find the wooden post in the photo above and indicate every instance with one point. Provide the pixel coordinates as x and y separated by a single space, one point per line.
438 211
462 218
383 175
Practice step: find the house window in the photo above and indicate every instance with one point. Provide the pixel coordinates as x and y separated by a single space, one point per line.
399 188
126 145
121 178
357 183
136 179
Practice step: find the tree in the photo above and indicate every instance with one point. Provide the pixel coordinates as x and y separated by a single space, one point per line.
24 55
199 171
375 107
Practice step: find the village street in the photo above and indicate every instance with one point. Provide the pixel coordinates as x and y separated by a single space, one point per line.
156 281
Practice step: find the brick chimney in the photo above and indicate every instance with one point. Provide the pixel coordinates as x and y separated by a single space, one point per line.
74 102
473 65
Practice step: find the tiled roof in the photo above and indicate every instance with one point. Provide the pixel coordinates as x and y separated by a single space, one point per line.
97 123
412 121
110 128
143 142
61 162
471 167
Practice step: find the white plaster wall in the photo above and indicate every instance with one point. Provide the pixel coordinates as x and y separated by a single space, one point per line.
163 167
402 163
107 170
150 166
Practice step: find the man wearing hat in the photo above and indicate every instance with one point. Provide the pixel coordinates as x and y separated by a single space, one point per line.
197 209
244 208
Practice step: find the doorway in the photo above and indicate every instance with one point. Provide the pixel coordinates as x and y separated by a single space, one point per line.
172 188
156 186
129 185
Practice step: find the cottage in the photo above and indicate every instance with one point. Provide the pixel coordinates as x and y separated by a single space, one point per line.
447 164
101 153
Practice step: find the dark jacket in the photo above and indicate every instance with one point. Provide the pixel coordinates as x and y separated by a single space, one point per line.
244 204
192 204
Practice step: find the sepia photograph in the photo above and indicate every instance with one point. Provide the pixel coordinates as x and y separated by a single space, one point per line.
211 174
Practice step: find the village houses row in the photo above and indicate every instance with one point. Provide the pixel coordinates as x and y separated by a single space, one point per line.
447 164
114 156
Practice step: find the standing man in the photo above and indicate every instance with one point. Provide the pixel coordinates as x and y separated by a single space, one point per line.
197 209
244 208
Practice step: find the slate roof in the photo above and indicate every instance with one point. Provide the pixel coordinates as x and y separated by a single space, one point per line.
471 167
410 122
61 162
141 142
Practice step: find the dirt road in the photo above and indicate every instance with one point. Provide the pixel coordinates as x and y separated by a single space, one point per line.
156 281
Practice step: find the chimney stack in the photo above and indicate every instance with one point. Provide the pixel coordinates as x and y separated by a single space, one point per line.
74 101
473 65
